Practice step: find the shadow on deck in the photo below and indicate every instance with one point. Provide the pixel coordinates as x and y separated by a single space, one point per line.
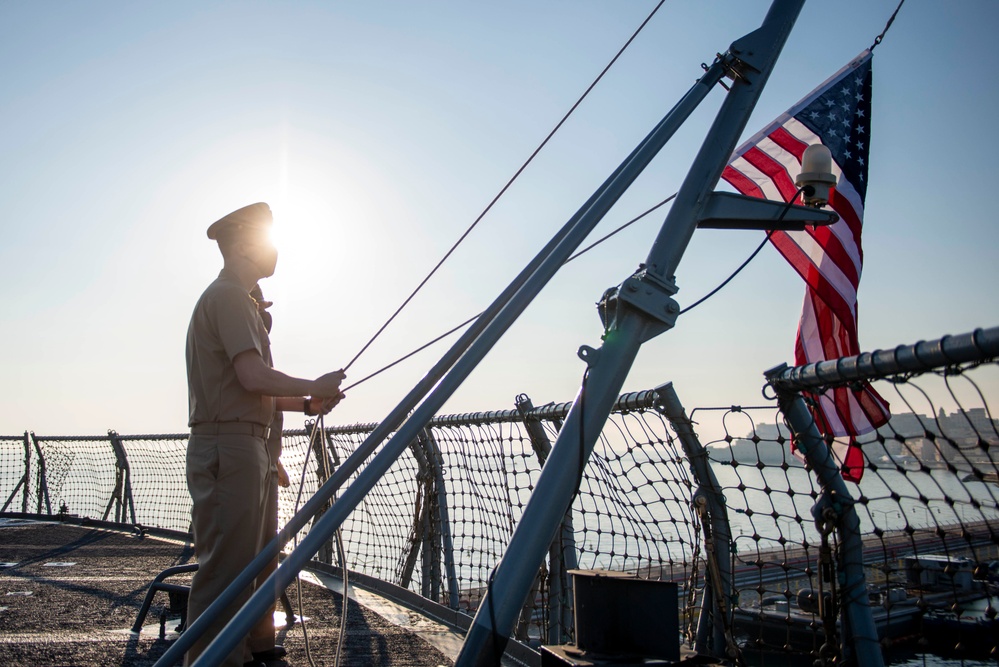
70 593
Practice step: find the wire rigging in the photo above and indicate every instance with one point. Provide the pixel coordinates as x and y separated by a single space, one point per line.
877 40
317 427
417 350
509 183
749 259
475 317
752 256
704 298
621 228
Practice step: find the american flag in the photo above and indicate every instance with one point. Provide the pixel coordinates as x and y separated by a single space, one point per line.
829 259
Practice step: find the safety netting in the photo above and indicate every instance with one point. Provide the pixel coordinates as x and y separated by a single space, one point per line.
927 511
441 518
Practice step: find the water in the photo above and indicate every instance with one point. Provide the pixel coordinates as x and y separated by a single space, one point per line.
924 501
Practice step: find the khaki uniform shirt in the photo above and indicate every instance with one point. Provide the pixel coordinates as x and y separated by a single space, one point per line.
225 322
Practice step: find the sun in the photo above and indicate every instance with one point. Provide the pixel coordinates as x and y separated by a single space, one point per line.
313 223
331 228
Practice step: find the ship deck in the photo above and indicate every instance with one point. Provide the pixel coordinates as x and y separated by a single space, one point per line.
70 593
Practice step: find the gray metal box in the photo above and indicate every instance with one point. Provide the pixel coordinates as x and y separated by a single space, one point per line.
618 614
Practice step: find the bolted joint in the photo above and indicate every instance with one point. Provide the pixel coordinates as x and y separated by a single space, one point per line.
735 67
645 293
748 55
830 510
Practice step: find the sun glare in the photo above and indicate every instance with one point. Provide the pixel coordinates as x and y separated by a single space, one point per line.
316 206
332 214
311 226
300 223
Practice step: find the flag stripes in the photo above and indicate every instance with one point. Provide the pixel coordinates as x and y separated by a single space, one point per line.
829 259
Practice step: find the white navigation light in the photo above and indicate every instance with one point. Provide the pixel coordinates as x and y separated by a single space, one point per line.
816 175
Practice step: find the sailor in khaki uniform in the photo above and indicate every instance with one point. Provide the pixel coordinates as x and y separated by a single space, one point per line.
233 393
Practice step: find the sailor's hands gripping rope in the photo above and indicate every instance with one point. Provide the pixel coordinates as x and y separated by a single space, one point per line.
326 394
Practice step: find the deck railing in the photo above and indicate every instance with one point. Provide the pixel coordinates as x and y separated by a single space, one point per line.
711 499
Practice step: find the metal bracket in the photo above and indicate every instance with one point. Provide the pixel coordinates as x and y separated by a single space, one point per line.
727 210
645 292
589 355
830 509
746 53
735 67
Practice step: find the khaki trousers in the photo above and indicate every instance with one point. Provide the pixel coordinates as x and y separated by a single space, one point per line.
262 635
226 476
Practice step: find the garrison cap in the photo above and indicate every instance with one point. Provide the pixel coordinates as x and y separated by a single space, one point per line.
253 218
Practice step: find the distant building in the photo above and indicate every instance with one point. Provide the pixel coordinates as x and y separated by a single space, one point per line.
934 440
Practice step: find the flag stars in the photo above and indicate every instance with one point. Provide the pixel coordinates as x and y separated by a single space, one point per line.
840 116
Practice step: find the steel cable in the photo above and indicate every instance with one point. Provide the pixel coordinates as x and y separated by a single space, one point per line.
509 183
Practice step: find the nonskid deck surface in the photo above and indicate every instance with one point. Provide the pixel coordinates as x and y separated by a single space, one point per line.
69 595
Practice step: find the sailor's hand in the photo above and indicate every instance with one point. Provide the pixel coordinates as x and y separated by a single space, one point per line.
282 476
328 386
330 403
322 406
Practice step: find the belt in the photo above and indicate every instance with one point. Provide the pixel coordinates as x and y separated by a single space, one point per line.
231 428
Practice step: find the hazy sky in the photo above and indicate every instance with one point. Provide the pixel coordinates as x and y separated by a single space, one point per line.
377 131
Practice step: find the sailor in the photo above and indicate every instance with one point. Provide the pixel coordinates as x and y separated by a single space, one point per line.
233 393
